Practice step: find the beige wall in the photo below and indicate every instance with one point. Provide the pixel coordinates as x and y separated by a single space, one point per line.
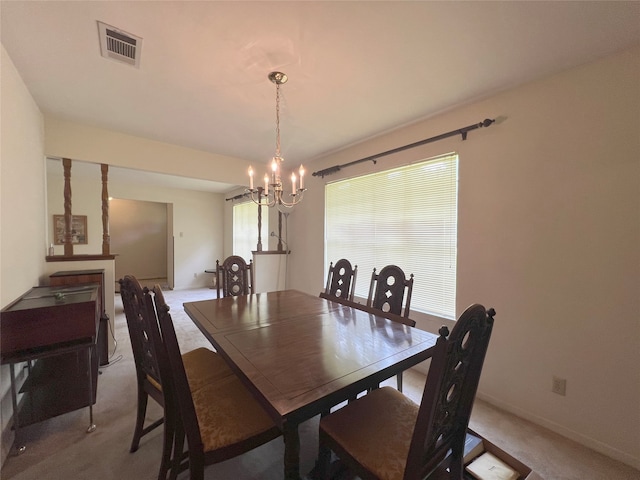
138 232
22 204
549 235
22 197
198 219
96 145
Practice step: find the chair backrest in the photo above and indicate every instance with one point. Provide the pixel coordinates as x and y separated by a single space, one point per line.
177 391
341 280
386 291
449 394
234 277
144 353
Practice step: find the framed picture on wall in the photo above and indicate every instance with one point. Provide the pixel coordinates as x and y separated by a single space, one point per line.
78 229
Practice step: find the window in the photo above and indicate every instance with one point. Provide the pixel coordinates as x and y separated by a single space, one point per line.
245 229
406 216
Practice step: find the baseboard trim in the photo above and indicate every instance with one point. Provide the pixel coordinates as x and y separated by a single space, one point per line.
589 442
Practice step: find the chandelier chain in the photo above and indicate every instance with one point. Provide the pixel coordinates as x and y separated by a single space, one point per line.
278 120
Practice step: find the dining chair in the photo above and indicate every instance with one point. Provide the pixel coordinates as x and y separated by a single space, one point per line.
219 420
387 290
387 293
202 365
341 280
234 277
385 435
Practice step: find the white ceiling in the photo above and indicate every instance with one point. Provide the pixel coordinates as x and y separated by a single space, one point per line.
356 69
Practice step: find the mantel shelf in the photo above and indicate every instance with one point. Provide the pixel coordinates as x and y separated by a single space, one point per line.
271 252
79 258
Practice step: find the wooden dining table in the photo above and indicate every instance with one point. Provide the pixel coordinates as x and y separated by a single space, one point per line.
300 355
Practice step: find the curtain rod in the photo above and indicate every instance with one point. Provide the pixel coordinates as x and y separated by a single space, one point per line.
461 131
237 197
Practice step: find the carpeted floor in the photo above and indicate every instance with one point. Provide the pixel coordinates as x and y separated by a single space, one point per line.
60 449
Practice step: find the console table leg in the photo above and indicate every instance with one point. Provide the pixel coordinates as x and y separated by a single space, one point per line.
20 448
92 426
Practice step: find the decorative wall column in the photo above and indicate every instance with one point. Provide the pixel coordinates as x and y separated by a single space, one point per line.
106 238
259 246
68 245
280 249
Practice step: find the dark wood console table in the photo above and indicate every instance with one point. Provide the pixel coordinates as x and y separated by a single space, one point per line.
53 330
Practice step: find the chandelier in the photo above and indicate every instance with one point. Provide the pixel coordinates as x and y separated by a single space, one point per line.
272 193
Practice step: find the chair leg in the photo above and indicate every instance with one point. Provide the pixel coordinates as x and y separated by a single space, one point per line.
167 459
178 451
196 467
328 467
323 464
142 411
399 377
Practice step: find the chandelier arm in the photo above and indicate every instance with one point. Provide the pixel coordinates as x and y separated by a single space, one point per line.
278 120
297 198
255 196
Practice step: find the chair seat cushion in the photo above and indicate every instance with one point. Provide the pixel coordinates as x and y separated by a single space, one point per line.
202 366
376 430
227 413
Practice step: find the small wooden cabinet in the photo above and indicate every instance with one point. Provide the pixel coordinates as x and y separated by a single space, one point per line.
53 330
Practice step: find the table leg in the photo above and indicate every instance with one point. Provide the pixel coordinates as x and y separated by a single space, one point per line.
20 448
291 451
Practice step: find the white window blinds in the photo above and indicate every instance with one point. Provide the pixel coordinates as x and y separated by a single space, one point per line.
245 229
406 216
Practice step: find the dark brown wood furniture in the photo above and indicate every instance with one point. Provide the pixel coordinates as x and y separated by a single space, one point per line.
202 366
365 308
144 358
78 277
53 330
384 435
234 276
300 355
387 293
341 280
391 316
219 419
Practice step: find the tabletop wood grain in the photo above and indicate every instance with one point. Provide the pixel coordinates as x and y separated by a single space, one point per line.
300 354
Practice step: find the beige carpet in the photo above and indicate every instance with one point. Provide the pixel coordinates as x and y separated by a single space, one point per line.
60 449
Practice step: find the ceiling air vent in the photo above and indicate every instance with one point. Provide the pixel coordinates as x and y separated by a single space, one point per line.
119 45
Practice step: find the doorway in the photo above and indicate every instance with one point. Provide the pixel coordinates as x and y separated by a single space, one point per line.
142 240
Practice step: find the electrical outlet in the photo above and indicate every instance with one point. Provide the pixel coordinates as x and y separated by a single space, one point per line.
195 275
559 386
